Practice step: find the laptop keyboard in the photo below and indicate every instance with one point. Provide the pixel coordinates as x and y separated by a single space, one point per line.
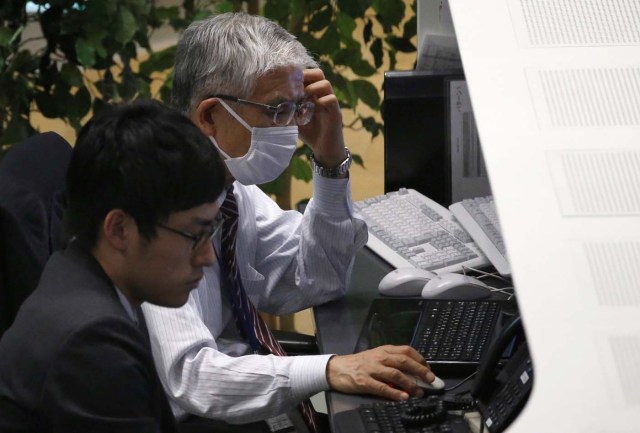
455 333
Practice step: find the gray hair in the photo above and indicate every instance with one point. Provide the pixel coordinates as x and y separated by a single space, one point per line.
228 53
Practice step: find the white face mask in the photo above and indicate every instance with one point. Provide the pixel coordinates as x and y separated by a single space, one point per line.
268 156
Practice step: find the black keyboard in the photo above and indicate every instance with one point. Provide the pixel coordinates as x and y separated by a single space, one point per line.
453 335
428 415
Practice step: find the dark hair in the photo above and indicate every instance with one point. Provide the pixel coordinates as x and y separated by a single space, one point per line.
144 158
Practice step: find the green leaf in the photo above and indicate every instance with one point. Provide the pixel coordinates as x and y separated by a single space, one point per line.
353 8
350 95
367 92
71 75
17 130
367 32
358 159
346 25
139 7
165 94
224 6
336 80
329 42
410 28
277 9
144 89
402 44
125 26
390 12
362 68
5 36
298 9
301 169
371 125
99 105
128 86
97 14
85 52
48 105
62 95
95 36
376 51
81 104
320 20
23 61
158 61
344 57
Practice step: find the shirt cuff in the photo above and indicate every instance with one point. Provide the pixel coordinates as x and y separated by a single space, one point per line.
309 375
333 196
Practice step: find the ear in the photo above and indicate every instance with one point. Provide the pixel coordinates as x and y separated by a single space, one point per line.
203 116
117 229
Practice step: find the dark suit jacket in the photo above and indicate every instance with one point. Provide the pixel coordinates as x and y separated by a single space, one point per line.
32 180
74 361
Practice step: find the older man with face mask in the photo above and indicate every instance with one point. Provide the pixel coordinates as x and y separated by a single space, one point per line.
253 89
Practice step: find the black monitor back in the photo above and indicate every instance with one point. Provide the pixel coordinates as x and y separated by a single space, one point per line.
416 132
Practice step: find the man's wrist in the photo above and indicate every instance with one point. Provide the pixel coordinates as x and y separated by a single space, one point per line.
339 171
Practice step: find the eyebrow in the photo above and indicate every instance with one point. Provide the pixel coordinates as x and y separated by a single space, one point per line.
280 99
203 222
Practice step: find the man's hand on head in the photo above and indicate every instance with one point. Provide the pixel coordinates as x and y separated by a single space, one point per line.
384 371
324 133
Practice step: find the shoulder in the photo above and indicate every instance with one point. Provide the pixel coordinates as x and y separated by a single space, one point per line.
116 333
106 348
70 299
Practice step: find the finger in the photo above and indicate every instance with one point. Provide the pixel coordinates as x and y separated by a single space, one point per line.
327 101
405 361
312 75
407 351
386 390
319 89
401 353
400 380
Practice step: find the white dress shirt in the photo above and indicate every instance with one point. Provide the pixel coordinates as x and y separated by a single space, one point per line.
287 262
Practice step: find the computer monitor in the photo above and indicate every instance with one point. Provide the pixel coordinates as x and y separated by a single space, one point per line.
431 143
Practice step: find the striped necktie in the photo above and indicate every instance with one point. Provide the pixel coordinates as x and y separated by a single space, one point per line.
252 327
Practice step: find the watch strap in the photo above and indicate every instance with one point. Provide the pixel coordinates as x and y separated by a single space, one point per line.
335 172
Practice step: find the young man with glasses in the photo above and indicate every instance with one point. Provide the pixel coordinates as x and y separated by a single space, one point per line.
253 89
143 205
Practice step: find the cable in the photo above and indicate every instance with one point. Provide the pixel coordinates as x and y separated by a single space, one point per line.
509 291
484 274
466 379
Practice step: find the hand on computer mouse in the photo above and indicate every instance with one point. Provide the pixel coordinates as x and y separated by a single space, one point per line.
433 388
385 371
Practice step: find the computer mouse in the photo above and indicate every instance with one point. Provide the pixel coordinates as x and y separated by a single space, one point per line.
404 282
435 387
455 286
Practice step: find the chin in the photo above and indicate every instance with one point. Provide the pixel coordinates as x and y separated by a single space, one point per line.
176 303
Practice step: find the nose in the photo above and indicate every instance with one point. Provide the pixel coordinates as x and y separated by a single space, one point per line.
204 255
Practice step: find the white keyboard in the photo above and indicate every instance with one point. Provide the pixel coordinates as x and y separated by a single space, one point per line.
408 229
479 218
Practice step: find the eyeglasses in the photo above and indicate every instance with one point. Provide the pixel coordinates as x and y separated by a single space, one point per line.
283 113
202 238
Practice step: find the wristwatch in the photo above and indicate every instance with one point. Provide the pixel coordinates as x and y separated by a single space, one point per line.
338 171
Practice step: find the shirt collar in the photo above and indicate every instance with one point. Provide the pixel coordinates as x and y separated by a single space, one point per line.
131 312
